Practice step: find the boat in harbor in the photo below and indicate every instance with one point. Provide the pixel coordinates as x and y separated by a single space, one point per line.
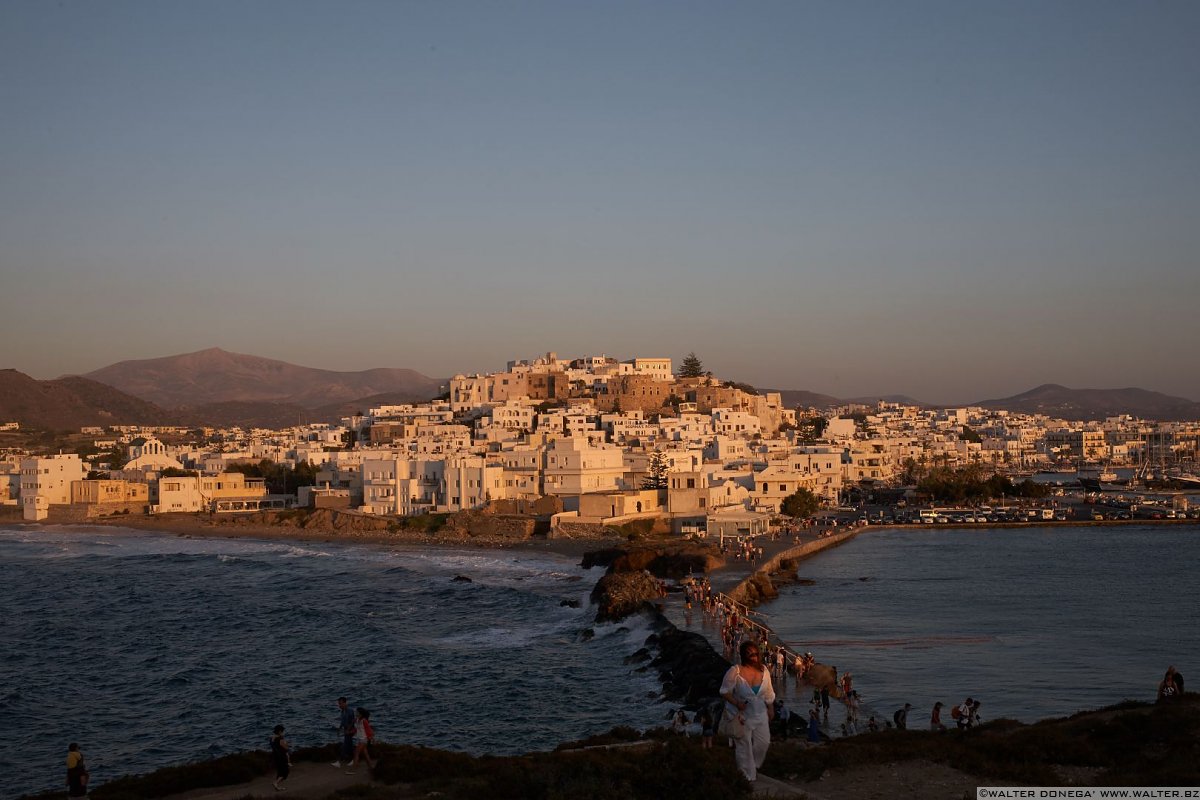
1187 478
1103 480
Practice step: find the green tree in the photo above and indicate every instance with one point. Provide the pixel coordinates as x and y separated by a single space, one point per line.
278 478
801 503
691 367
968 435
117 457
656 471
811 428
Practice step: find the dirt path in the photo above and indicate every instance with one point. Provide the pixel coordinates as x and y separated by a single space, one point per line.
306 780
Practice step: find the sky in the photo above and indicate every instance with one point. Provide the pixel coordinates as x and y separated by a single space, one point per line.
954 200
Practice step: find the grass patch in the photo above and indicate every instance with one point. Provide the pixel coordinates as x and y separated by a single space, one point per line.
223 771
677 768
1130 744
423 523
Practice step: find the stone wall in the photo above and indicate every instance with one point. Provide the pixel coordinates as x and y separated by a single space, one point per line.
580 530
492 526
758 587
83 512
541 507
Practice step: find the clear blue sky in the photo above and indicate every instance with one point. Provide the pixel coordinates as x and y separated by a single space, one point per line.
953 200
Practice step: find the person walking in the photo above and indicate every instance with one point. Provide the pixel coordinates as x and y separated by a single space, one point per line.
77 772
814 725
749 698
363 737
935 720
345 727
852 706
280 757
973 716
962 714
901 717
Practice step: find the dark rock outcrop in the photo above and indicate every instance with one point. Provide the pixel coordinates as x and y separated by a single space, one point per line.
691 671
758 589
619 594
665 560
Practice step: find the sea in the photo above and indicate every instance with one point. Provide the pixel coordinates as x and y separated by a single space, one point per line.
152 650
1034 622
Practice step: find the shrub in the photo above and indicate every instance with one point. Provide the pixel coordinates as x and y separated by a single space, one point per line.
223 771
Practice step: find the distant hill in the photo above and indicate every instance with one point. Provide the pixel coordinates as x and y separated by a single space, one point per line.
195 380
798 398
1091 404
247 414
872 399
70 403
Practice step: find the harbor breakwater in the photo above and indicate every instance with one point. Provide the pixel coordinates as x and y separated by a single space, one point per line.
688 664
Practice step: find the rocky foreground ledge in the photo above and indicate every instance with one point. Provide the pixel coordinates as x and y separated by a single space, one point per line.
1130 744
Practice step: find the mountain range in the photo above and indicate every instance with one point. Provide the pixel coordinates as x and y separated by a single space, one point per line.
1049 399
215 387
209 376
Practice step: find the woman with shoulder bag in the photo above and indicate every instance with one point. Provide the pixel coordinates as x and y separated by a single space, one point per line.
748 696
363 736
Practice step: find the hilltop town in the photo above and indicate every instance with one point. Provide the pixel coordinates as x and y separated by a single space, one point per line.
587 441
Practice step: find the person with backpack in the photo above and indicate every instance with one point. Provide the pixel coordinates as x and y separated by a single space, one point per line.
77 772
962 714
901 717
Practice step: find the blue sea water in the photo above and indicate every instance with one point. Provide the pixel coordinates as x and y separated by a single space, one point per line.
1035 622
152 650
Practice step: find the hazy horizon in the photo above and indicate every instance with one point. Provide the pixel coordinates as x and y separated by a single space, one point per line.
677 359
951 201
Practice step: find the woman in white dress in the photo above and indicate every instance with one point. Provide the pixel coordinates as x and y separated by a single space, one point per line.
749 699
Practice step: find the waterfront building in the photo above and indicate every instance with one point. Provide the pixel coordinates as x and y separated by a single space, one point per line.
46 481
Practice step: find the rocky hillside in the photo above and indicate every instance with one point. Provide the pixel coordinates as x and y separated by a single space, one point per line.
69 403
